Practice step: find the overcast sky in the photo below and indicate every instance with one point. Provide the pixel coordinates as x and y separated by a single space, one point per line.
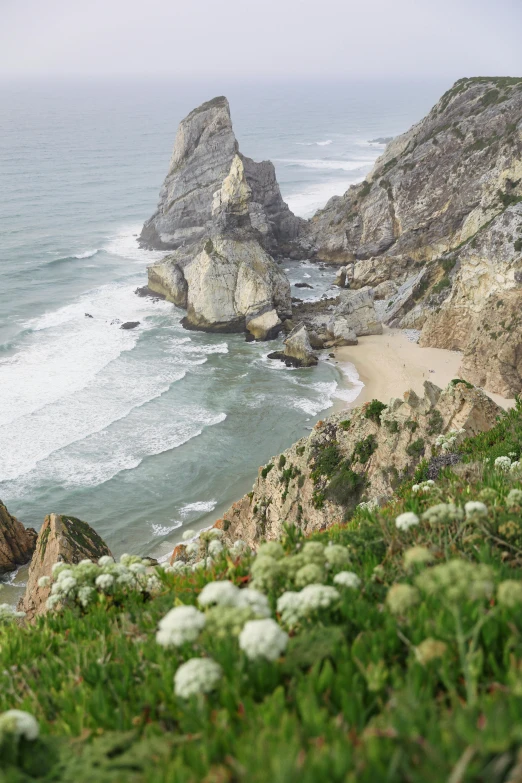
260 38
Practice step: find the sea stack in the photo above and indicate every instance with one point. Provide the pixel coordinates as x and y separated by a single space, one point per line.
223 216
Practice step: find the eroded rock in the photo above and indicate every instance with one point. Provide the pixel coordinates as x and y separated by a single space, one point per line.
61 539
17 543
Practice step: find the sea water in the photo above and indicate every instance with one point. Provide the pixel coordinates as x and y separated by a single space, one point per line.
146 432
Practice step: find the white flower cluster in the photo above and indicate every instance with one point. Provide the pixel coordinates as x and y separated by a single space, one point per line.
475 510
80 584
423 487
224 593
263 639
458 580
19 724
514 498
202 549
181 625
199 675
294 607
503 464
442 513
406 520
450 439
8 614
347 579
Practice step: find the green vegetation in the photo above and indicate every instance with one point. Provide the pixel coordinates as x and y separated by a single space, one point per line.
409 671
364 449
266 470
411 425
282 462
518 245
373 411
416 448
448 263
345 425
435 422
365 189
507 199
392 425
455 381
441 285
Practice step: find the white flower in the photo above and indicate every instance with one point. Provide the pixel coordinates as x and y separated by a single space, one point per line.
289 607
442 513
271 549
85 562
182 624
192 548
53 600
239 547
19 723
475 509
68 585
347 579
153 584
516 466
199 675
263 639
255 600
514 498
337 556
215 548
197 566
178 567
188 534
57 567
104 581
424 486
221 593
66 573
85 594
406 520
503 463
105 560
316 597
44 581
137 568
214 532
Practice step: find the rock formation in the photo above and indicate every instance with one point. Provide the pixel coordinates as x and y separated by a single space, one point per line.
17 542
223 216
438 218
298 349
61 539
353 456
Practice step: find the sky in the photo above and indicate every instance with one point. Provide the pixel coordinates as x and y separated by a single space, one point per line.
246 39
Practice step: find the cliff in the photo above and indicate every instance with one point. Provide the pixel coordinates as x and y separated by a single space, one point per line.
17 542
354 456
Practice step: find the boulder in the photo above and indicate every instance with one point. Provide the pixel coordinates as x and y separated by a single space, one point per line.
385 290
265 326
298 348
130 325
340 332
358 310
17 543
340 280
61 539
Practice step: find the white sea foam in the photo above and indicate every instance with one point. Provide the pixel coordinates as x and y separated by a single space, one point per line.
198 508
164 530
308 200
87 254
326 164
124 243
314 143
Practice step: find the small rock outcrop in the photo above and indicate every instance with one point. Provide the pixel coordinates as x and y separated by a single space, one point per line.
298 349
354 456
61 539
223 215
17 543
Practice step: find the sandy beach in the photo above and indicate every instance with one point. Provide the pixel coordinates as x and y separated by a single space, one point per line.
390 364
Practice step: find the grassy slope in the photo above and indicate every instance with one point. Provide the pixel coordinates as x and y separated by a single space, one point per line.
349 701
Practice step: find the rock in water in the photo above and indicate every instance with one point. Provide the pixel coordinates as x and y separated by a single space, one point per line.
222 214
17 543
298 347
130 325
61 539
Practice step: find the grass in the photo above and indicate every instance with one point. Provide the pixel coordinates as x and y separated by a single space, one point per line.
429 693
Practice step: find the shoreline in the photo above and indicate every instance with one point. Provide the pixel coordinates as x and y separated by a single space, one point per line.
390 364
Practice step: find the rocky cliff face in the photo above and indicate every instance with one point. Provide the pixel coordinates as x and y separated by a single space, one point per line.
436 184
354 456
17 543
61 539
436 228
223 214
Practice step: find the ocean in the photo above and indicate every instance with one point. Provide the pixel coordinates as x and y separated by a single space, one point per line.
144 433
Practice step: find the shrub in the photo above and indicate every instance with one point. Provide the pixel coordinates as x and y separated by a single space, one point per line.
364 449
326 462
266 470
416 449
282 462
373 411
346 487
435 422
